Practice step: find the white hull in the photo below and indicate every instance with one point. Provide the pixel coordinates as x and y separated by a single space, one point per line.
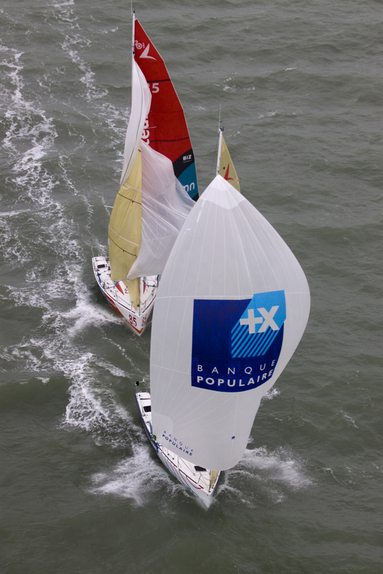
118 297
201 482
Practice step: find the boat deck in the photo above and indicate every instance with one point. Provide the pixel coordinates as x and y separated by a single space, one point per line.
117 294
200 481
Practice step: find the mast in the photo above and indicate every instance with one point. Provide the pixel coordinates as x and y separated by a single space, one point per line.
220 135
133 37
134 285
133 24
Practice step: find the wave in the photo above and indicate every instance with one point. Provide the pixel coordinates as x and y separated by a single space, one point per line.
263 474
139 478
42 244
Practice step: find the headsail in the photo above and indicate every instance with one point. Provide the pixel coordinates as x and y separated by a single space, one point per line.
124 232
225 166
165 130
231 308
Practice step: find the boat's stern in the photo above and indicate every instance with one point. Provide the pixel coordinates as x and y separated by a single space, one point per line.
118 297
144 404
200 481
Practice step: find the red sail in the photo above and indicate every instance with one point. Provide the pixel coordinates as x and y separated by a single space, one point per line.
165 129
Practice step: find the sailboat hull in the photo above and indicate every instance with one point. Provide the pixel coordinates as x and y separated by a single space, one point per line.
201 482
117 295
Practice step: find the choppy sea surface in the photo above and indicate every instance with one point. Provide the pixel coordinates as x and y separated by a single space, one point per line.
300 89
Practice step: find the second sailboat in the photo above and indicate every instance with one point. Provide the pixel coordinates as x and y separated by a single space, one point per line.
158 179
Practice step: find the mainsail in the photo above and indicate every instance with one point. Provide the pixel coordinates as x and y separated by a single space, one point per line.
231 308
165 129
225 165
124 232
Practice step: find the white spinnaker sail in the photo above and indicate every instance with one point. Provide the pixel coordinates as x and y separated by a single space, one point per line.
165 206
141 99
229 275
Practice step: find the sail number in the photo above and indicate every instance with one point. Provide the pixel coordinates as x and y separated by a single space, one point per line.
154 87
133 320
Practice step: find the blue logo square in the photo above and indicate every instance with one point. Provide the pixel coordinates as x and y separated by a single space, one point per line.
237 343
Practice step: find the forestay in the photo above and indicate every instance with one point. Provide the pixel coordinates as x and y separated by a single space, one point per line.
231 308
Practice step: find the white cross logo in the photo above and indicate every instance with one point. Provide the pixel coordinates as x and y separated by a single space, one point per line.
268 321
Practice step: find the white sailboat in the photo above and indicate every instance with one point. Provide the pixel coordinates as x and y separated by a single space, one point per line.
220 339
158 179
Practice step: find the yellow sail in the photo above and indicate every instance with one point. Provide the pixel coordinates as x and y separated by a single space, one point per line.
213 477
225 166
125 229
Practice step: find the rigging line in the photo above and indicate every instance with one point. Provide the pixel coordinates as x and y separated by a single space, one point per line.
124 250
170 140
129 199
123 238
214 170
158 81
